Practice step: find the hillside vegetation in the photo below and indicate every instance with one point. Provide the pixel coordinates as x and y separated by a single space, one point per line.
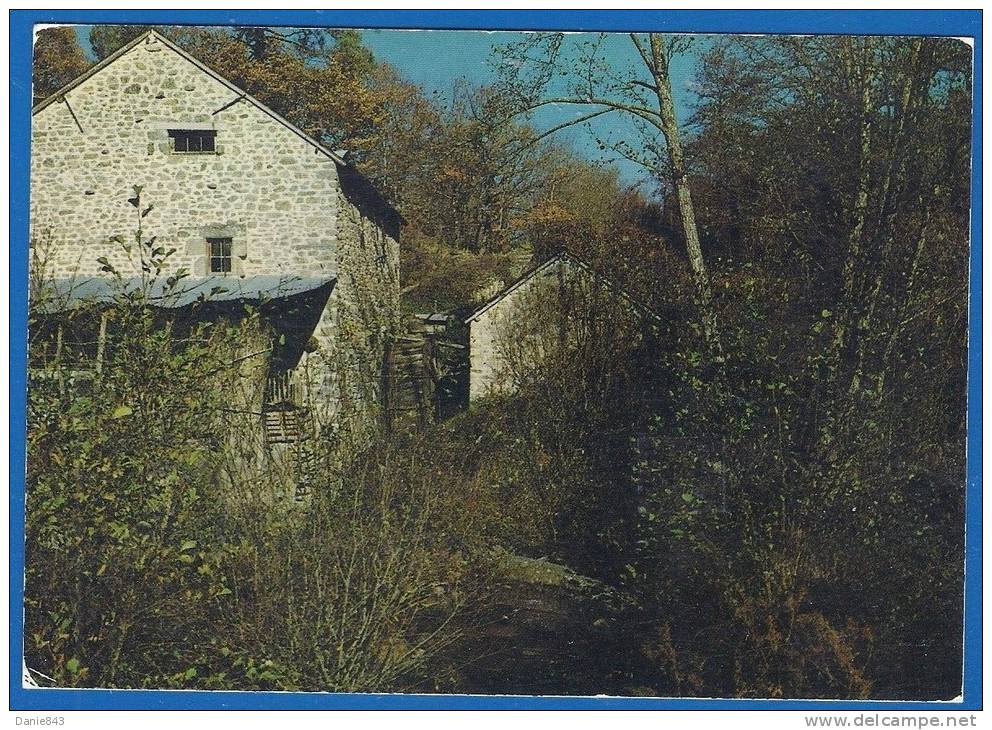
764 497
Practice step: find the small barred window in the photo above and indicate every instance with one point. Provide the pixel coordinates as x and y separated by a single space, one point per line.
192 140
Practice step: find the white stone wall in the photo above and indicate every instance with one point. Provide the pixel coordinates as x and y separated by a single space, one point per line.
486 358
271 191
562 304
265 187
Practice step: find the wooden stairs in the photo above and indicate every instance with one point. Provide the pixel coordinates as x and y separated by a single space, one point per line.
282 426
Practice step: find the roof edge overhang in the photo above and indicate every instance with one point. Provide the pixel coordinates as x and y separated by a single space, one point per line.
62 295
561 256
526 276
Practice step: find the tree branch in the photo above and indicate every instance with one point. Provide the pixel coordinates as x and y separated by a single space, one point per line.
571 123
645 84
644 54
649 115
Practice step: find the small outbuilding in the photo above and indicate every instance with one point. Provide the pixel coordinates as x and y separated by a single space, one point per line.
556 294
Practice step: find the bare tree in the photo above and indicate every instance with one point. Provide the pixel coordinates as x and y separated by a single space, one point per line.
533 70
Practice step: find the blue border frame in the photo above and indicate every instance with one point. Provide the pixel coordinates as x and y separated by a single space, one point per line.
957 23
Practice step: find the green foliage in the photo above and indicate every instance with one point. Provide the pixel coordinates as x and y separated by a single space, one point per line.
124 537
799 502
158 554
438 277
58 59
782 513
352 594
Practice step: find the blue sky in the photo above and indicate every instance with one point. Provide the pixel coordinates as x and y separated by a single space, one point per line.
436 59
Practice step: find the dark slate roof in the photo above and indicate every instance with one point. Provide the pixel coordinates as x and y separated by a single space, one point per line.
64 294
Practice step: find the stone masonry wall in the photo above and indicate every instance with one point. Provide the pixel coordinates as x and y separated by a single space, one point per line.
518 322
267 188
484 357
486 360
361 318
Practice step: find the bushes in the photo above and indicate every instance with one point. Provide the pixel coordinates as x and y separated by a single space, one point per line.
355 595
750 562
158 550
763 549
792 554
437 277
774 529
125 541
145 568
157 558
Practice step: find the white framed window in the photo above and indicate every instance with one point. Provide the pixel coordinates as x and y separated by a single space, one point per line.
221 253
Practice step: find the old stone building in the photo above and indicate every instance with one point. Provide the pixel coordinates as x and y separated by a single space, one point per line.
256 210
543 314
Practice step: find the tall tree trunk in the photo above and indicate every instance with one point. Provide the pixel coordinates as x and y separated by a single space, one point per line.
848 313
860 72
891 186
676 158
904 317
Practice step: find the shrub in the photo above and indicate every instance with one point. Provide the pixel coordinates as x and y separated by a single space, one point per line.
158 551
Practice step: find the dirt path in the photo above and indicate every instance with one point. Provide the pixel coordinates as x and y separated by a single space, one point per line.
545 630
